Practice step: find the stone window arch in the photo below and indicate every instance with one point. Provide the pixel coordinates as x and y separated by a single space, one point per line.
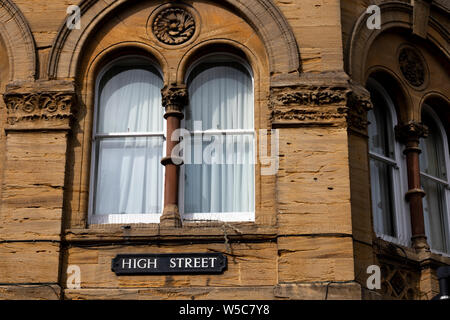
114 40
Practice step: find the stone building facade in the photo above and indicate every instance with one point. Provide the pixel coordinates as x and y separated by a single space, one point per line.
320 76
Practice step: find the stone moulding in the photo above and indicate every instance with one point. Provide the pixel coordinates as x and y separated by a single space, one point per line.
395 15
264 16
321 105
19 42
318 96
39 105
33 106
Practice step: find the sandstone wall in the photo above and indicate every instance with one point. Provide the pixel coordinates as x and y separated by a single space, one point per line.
312 236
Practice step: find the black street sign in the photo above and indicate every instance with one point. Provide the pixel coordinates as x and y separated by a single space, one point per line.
167 263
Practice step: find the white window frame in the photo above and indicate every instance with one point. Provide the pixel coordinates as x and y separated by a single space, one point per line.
220 216
446 183
399 179
113 218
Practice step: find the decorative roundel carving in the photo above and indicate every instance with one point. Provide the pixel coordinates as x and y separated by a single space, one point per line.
174 26
412 66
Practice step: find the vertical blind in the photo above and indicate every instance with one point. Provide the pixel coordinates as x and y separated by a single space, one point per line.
221 97
128 142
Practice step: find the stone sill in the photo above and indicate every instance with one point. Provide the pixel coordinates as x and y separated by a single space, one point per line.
189 232
294 291
422 258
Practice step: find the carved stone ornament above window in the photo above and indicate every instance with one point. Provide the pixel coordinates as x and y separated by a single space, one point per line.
174 25
412 66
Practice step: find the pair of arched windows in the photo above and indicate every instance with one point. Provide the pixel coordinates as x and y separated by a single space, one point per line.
388 175
127 179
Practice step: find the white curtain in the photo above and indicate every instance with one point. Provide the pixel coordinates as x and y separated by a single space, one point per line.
381 173
129 176
432 163
221 96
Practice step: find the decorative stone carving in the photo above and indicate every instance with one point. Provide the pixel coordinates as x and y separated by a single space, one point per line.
412 66
359 103
33 106
174 99
337 106
399 282
174 26
410 131
318 96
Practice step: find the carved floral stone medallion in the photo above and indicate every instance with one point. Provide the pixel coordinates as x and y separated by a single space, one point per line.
412 66
174 26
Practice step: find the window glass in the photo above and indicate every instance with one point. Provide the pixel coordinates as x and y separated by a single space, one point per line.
432 158
434 182
380 129
128 141
383 163
221 97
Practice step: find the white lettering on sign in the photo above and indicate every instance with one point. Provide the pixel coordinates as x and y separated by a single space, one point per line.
140 263
192 262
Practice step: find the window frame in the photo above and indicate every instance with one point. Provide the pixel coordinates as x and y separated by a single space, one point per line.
398 177
428 110
220 216
117 218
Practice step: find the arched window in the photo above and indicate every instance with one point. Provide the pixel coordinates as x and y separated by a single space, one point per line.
434 174
218 182
386 173
128 144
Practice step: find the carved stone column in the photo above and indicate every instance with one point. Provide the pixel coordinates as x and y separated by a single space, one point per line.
409 134
174 99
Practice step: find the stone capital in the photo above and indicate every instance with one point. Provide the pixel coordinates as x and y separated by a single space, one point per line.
174 99
410 132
